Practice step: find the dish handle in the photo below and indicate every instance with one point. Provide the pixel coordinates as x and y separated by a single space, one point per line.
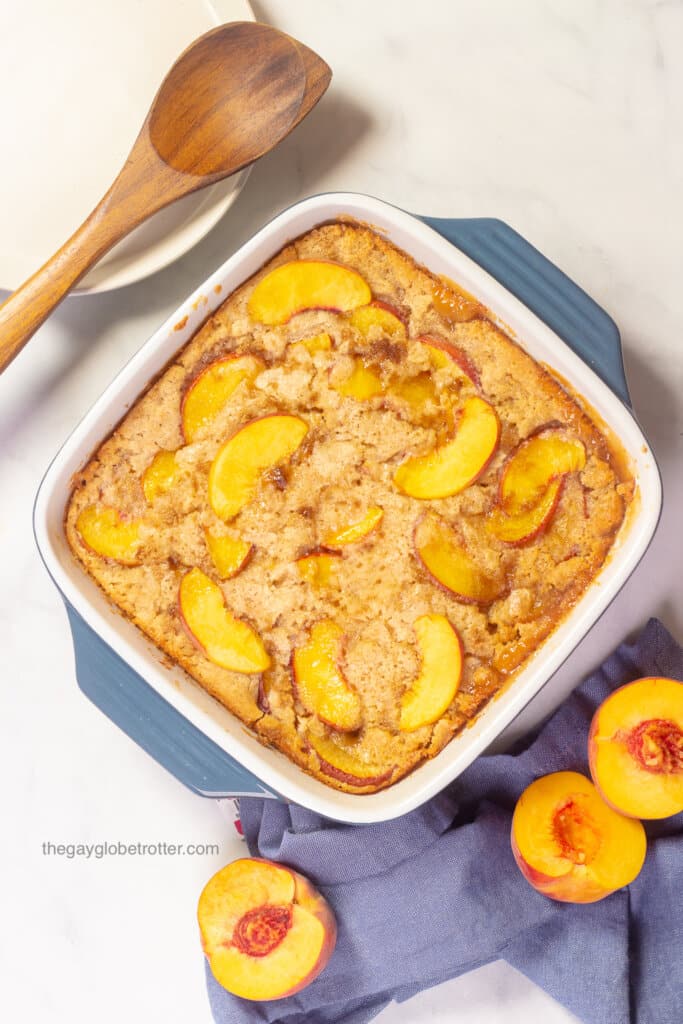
588 330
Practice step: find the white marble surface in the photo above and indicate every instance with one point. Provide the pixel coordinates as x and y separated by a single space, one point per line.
563 119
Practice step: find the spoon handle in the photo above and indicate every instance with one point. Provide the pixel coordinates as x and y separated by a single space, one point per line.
144 186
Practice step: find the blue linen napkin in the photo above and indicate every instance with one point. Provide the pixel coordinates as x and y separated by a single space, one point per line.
436 893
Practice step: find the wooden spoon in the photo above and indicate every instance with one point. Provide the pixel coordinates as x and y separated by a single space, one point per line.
228 99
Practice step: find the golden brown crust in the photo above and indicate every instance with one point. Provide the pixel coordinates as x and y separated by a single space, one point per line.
345 466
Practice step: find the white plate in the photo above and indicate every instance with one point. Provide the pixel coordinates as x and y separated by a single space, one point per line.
77 79
272 767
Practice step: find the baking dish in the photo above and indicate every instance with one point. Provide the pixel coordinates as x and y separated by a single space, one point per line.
166 711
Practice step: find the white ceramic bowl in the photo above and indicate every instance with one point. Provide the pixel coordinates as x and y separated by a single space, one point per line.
276 771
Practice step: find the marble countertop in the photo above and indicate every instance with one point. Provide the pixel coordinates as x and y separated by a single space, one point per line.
562 119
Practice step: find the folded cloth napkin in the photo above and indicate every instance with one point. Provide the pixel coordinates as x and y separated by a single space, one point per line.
436 893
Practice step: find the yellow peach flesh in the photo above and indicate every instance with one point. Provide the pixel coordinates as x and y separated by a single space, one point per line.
212 389
352 532
306 284
532 466
635 748
319 682
160 475
348 765
362 383
267 933
454 466
520 527
316 343
319 568
437 684
256 447
375 315
104 531
226 640
450 564
569 844
228 554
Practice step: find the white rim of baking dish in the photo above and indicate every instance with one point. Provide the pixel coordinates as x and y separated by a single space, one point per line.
275 770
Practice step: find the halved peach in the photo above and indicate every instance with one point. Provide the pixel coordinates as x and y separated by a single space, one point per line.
362 384
104 530
316 343
445 355
378 314
319 682
350 533
522 527
457 464
319 567
259 445
224 639
306 284
449 563
212 389
535 462
160 475
569 844
635 748
265 930
431 693
348 764
228 554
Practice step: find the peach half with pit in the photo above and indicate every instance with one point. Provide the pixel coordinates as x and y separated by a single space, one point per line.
257 446
225 639
569 844
107 533
318 680
450 565
212 389
452 467
635 748
265 930
306 284
430 694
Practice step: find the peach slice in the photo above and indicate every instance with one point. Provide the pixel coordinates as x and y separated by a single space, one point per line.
522 527
225 640
306 284
569 844
347 764
449 564
107 533
160 475
228 554
265 930
319 682
457 464
353 532
416 391
362 384
316 343
535 462
211 390
319 567
444 355
437 684
378 314
259 445
635 748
